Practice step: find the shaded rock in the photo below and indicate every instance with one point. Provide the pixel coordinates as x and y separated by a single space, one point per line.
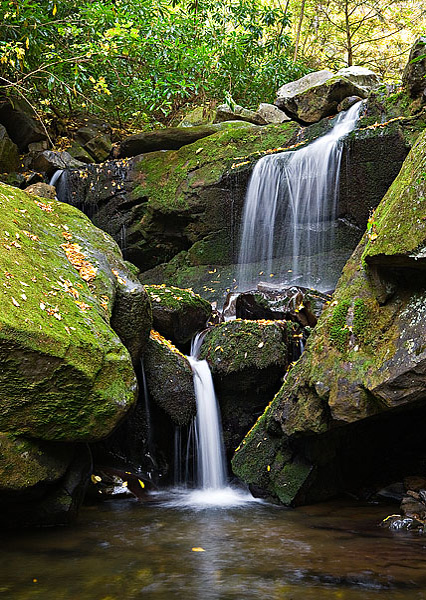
346 103
9 155
170 380
42 190
41 483
412 506
50 161
238 113
21 123
79 153
414 74
297 304
65 375
171 138
271 113
415 482
316 95
178 314
131 317
248 360
107 482
364 367
95 138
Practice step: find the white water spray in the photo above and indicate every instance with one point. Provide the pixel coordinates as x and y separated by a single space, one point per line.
291 206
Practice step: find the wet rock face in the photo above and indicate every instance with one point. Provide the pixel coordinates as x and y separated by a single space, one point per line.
248 360
9 157
365 361
20 122
413 77
297 304
178 314
170 381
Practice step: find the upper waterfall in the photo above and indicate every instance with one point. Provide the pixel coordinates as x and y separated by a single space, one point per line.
290 211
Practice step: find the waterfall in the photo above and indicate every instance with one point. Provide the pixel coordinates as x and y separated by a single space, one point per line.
211 467
290 211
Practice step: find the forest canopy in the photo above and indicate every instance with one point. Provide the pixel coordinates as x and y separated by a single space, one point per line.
144 60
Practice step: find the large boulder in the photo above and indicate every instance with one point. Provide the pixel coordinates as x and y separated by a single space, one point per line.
414 74
271 113
248 360
317 95
170 138
50 161
41 483
361 382
9 155
65 374
95 139
178 314
361 76
170 380
22 124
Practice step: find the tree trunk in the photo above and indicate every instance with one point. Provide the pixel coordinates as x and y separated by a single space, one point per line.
299 29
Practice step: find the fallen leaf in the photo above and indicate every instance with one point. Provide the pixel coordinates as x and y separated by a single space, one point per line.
197 549
15 302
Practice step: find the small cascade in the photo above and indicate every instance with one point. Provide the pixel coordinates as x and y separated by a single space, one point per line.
149 424
211 466
290 211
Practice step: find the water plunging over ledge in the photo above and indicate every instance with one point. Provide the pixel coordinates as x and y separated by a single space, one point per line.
211 487
290 211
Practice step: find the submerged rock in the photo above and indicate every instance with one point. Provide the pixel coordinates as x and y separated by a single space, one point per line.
170 380
178 314
363 372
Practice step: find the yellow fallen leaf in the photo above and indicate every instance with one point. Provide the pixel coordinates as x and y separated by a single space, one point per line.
268 468
141 483
197 549
95 478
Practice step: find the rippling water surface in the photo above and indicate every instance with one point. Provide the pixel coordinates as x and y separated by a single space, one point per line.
123 550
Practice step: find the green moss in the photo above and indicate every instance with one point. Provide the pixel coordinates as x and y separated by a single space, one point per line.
55 340
238 345
339 332
401 216
174 298
360 320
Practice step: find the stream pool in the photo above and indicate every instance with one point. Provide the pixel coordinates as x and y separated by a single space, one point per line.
125 550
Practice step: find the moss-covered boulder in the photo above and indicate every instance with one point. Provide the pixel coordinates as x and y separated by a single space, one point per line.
178 314
65 373
170 380
248 360
41 483
363 373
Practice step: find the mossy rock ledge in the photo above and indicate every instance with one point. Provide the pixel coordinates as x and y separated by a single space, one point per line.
248 360
66 377
178 314
349 415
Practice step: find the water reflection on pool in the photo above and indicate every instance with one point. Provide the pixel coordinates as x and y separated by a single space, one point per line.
123 550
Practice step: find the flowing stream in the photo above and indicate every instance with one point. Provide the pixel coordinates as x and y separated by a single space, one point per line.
290 211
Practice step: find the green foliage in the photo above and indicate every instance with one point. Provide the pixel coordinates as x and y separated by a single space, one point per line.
137 57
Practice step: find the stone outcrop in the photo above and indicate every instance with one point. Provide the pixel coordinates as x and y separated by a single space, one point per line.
9 156
362 376
318 94
248 360
178 314
169 378
272 114
21 123
66 378
171 138
414 74
49 161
